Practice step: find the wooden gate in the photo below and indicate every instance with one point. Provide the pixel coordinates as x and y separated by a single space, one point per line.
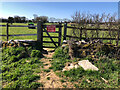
41 29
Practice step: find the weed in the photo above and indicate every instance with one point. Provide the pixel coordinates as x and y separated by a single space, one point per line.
48 78
64 86
50 67
59 53
46 70
37 70
36 53
16 71
62 81
35 85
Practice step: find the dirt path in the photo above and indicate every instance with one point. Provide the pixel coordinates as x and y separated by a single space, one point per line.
54 80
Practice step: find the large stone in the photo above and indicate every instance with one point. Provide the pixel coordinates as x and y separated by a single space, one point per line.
65 41
64 45
86 65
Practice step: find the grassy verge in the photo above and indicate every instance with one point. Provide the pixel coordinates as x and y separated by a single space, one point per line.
108 69
19 67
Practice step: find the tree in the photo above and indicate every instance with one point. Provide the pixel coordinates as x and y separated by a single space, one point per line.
17 19
44 19
23 19
4 20
10 20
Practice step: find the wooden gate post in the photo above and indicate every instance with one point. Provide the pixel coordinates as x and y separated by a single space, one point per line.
7 28
65 31
40 34
60 31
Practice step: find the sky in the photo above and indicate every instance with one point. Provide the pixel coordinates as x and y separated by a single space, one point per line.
56 9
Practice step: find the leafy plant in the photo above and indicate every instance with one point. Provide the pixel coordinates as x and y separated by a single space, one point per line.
48 78
16 71
35 85
62 81
60 53
36 53
46 70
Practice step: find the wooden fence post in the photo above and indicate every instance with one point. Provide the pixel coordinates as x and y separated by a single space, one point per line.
40 34
60 31
65 31
7 31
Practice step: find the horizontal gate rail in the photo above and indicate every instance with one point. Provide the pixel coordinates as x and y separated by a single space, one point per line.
16 25
2 25
20 35
53 32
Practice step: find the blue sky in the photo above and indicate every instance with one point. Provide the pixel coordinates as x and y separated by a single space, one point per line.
56 9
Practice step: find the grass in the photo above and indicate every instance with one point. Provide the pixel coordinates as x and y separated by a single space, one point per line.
108 69
18 69
25 30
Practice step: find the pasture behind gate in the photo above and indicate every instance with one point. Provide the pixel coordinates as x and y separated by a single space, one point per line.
104 33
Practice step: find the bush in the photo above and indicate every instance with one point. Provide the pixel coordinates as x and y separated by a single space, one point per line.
34 60
16 51
36 53
13 58
23 54
5 68
58 64
60 53
11 53
60 57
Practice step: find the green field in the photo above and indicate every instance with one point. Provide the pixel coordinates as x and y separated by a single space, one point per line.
26 30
